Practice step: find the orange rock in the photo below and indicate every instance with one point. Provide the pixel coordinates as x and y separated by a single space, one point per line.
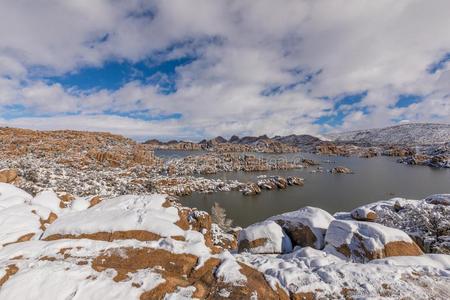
10 271
8 176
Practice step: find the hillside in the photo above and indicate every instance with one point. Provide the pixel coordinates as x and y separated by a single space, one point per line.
414 134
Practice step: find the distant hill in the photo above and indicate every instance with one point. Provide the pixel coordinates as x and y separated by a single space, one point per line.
414 134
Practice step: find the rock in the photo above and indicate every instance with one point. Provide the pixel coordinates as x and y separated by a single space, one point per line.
22 222
117 219
306 226
264 238
341 170
398 206
438 199
281 182
267 184
363 214
310 162
292 180
251 189
363 241
8 175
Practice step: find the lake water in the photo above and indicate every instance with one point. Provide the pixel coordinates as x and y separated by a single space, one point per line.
374 179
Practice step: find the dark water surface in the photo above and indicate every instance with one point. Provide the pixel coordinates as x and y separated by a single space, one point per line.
375 179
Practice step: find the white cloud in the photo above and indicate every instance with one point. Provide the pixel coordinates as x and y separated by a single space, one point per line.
382 46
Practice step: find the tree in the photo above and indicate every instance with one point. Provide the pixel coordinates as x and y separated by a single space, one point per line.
219 216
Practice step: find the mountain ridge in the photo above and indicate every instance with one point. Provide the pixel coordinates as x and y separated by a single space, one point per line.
411 134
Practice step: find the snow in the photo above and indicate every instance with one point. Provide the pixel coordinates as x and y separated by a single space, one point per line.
327 280
181 293
122 213
438 261
228 271
316 219
294 270
63 280
274 238
373 235
361 213
80 203
11 195
49 199
19 220
406 134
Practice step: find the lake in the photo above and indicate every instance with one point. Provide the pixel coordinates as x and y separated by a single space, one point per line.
374 179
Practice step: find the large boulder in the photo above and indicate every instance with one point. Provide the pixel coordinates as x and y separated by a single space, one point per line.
363 241
264 238
306 226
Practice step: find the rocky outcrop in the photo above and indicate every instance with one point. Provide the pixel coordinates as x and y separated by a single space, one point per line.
306 227
149 247
138 247
212 163
330 148
362 241
264 238
341 170
434 161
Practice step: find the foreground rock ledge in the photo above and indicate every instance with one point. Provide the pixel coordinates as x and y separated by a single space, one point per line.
147 247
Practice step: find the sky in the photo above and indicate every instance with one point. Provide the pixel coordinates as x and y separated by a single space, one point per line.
177 69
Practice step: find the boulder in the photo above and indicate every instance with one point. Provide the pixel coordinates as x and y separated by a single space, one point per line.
363 241
438 199
267 184
281 182
264 238
363 214
341 170
306 226
251 189
292 180
397 206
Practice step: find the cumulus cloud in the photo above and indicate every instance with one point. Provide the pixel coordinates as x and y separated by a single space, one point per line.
259 67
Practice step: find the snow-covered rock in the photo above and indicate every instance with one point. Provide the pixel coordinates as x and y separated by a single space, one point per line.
11 195
362 241
49 199
143 217
441 199
128 247
438 261
306 226
263 238
22 222
363 214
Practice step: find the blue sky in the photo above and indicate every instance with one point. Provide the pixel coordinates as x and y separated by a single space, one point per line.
167 69
112 75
